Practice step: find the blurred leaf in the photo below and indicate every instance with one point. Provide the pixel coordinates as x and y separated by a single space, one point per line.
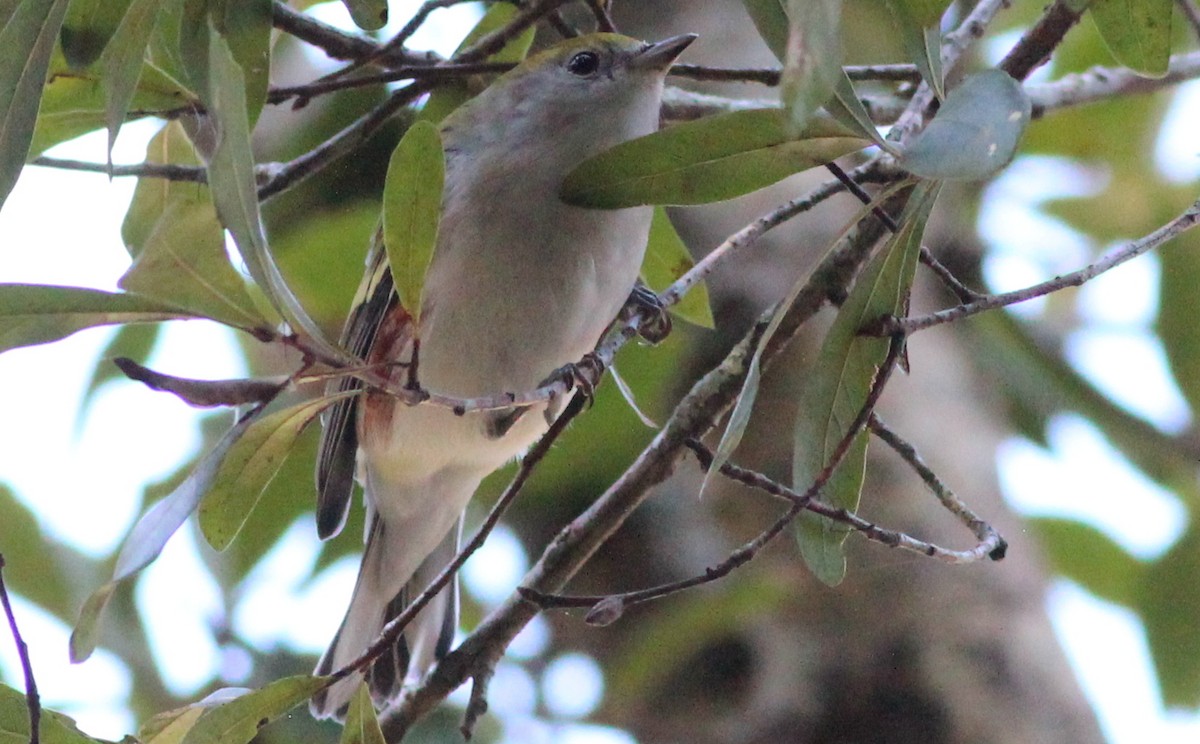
849 111
184 262
248 467
362 727
1176 325
813 60
33 314
55 728
122 62
170 727
1090 558
1170 608
919 22
27 38
412 206
369 15
976 131
771 19
88 26
245 25
237 721
446 98
150 534
131 341
706 160
667 259
837 385
1137 32
152 195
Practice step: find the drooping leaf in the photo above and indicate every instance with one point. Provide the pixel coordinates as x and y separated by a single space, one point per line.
369 15
27 39
362 725
148 537
412 206
813 61
667 259
87 28
54 728
33 314
976 131
446 98
122 62
1176 324
846 107
248 467
1090 558
238 720
771 19
836 387
919 22
1137 32
245 25
184 262
706 160
152 196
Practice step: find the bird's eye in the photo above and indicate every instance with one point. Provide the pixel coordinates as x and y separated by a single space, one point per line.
584 64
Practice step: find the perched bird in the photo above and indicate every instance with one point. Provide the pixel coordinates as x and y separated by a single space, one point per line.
520 284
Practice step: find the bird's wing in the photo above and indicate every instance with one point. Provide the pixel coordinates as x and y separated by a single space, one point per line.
339 440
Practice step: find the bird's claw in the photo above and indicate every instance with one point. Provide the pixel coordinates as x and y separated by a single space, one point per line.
583 375
656 321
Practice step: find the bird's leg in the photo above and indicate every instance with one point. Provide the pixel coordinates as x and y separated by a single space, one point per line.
656 323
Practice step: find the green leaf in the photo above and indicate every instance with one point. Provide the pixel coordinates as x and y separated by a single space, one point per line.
771 19
1137 32
846 107
54 728
27 40
88 26
250 465
153 195
919 22
976 131
369 15
170 727
184 262
1170 608
150 534
130 341
1090 558
246 27
33 314
412 206
237 721
836 387
362 726
1176 323
122 63
707 160
667 259
813 61
446 98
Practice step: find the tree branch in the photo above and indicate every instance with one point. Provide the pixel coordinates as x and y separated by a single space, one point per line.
32 700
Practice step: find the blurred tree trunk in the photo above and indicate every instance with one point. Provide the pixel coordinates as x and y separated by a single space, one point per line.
906 649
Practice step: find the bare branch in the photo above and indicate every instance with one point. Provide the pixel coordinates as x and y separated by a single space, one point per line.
168 171
447 71
1100 83
33 701
1036 45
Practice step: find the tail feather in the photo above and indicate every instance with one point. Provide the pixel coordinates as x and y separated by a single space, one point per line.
425 640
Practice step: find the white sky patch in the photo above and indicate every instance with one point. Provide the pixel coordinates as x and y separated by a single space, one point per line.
1084 477
496 568
572 685
1126 296
1177 151
440 33
1130 366
1104 642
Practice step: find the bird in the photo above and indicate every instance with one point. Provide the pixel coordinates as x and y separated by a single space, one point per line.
520 285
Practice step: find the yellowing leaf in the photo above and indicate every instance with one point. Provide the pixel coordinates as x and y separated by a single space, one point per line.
667 259
362 726
1137 32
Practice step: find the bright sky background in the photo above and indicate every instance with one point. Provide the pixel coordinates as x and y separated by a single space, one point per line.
82 475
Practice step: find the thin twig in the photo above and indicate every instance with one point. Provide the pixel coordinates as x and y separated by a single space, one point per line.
1103 83
1183 222
771 75
407 72
1035 46
33 701
604 21
396 43
168 171
1192 13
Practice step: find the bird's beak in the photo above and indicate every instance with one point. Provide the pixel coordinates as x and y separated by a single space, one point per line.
660 54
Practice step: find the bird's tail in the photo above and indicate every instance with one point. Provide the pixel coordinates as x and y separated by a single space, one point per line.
372 606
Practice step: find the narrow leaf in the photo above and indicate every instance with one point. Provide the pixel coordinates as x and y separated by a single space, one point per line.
237 721
667 259
976 131
152 196
184 261
27 40
919 22
87 28
771 19
54 728
837 386
33 314
369 15
362 726
1137 32
846 107
122 62
412 205
248 467
707 160
150 534
813 61
1176 324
